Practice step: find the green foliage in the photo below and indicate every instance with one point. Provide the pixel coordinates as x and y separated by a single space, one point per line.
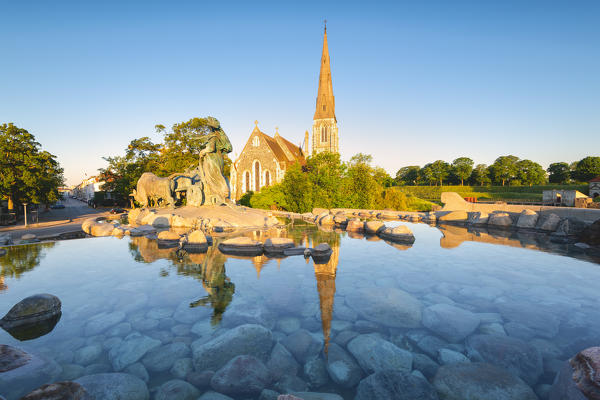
586 169
246 199
462 168
480 175
503 169
297 189
27 173
559 172
269 197
325 174
530 173
361 188
408 175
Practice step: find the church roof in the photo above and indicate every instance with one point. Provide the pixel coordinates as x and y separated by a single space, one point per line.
325 99
284 150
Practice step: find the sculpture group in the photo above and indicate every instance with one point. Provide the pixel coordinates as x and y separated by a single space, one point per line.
203 185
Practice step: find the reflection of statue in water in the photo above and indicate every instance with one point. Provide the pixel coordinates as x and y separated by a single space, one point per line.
220 289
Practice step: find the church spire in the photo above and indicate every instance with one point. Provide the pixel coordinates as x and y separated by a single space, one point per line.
325 100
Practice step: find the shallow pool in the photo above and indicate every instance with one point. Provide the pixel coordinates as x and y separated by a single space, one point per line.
425 310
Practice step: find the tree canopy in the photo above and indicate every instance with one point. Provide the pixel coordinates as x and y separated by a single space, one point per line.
559 172
28 174
586 169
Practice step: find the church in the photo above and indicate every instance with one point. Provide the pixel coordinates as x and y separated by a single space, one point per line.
265 159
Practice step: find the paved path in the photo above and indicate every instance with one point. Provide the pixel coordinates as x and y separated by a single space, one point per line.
56 221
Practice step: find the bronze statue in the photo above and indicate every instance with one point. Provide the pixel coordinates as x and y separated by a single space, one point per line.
216 186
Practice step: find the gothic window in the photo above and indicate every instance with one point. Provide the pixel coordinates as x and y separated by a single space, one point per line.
323 134
256 176
247 182
256 141
323 107
267 178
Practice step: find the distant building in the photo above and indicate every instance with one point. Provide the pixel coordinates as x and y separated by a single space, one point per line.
563 198
263 162
595 187
88 187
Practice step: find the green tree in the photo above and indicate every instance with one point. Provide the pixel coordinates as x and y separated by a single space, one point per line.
408 175
382 177
462 168
361 188
27 173
297 189
440 171
325 173
480 175
504 169
269 197
182 144
530 173
559 172
586 169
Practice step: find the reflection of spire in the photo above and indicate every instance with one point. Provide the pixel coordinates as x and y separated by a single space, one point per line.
259 262
2 285
325 275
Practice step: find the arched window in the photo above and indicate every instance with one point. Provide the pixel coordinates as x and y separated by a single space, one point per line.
256 176
267 178
247 182
323 134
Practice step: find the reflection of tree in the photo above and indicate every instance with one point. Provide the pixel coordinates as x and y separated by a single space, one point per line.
20 259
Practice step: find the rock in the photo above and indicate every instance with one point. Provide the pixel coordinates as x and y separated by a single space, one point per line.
450 322
321 252
185 313
500 220
395 385
114 386
590 235
210 395
315 372
426 365
565 386
398 234
28 237
586 372
327 220
121 330
454 217
142 230
342 368
243 375
163 357
282 362
288 325
248 313
355 225
303 345
527 219
130 350
254 340
71 372
480 381
387 306
88 354
493 328
375 354
478 218
242 246
430 345
548 222
517 356
100 322
98 368
138 369
59 391
340 220
168 236
290 383
295 251
316 396
182 367
32 317
21 372
447 356
540 320
344 337
277 246
200 379
176 389
196 242
373 227
267 394
570 227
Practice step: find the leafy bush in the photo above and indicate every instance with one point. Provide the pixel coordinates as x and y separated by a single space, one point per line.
268 198
246 198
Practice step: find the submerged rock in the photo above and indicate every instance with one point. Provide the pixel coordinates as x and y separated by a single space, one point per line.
395 385
303 345
565 386
114 386
480 381
162 358
342 368
130 350
450 322
101 322
32 317
315 372
282 362
375 354
176 389
387 306
59 391
243 375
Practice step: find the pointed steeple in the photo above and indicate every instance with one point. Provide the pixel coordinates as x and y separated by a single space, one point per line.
325 99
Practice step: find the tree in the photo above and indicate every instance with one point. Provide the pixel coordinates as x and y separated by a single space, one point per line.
408 175
325 173
587 168
268 197
504 169
297 189
182 144
462 168
361 187
530 173
382 177
559 172
439 171
480 175
27 173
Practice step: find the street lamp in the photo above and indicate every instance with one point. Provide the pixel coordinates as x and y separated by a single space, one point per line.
25 210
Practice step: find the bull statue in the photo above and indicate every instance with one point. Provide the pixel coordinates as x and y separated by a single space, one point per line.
152 189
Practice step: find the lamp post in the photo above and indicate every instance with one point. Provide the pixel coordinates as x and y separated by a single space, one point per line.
25 210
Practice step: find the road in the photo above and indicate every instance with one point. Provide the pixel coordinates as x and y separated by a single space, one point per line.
55 221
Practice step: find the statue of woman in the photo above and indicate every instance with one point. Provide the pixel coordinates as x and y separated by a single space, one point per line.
216 186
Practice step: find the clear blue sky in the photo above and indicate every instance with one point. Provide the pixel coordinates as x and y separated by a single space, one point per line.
414 81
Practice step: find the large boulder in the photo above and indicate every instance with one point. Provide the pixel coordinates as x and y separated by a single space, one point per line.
527 219
548 222
398 234
450 322
375 354
454 217
570 227
250 339
515 355
282 362
342 368
478 218
500 220
303 345
591 234
395 385
355 225
387 306
196 242
242 375
241 246
374 227
21 372
480 381
585 372
114 386
32 317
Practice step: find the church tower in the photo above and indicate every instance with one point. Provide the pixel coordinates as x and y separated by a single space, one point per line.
325 130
